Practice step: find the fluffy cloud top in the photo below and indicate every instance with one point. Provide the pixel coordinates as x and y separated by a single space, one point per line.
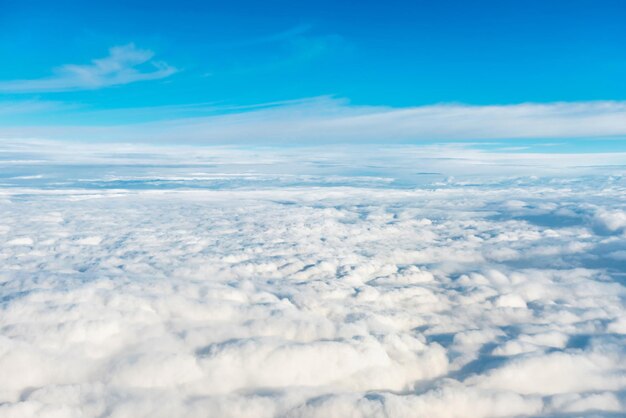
458 299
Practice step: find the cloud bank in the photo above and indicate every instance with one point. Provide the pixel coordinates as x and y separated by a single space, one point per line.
125 64
454 299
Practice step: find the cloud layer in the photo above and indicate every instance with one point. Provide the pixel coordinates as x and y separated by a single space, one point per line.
328 120
458 299
125 64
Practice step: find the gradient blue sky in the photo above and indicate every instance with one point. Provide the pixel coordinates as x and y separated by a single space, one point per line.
187 59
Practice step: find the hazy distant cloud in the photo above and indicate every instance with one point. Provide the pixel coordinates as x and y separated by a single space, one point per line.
330 120
121 66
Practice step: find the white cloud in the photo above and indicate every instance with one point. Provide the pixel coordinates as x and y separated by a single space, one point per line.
611 220
327 120
253 297
124 64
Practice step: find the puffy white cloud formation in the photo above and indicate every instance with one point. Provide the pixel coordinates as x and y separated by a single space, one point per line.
452 300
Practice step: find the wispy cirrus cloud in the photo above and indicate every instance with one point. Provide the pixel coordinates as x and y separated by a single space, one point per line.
26 107
125 64
295 46
278 37
330 120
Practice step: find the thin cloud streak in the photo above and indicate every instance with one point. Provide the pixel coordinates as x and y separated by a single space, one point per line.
328 120
283 36
125 64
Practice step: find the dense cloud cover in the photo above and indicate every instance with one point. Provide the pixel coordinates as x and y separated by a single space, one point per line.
453 300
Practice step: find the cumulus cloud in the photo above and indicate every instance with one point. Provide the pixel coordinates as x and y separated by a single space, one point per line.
611 220
261 298
125 64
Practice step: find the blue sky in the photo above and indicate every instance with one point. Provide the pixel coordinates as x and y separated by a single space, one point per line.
113 63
